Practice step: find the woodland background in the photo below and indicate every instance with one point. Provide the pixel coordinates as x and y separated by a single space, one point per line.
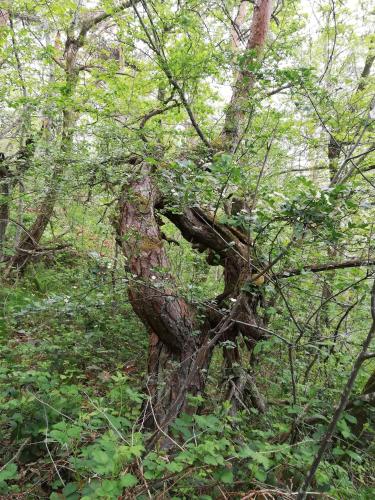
187 249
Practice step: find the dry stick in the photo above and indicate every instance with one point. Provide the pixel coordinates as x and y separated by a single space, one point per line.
158 426
263 330
342 404
48 450
15 457
268 149
328 299
274 261
336 332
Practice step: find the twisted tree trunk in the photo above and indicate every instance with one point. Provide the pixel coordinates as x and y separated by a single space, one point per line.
181 343
170 320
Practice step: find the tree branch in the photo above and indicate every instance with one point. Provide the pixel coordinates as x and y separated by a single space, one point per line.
236 110
93 20
317 268
368 355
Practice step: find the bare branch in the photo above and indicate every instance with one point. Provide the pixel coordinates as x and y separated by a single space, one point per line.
279 89
317 268
163 63
366 70
330 58
368 355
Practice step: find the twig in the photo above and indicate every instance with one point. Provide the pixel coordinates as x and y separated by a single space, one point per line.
292 374
14 458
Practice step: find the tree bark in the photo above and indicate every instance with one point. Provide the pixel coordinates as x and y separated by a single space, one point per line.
180 346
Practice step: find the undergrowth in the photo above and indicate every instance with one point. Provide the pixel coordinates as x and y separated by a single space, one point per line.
71 396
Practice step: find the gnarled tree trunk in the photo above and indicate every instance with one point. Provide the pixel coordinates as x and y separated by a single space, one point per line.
153 295
180 343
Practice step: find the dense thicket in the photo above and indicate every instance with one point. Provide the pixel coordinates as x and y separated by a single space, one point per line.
186 249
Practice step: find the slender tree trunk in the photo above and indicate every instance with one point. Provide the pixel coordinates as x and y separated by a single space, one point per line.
4 206
333 154
238 109
76 38
29 242
8 180
344 399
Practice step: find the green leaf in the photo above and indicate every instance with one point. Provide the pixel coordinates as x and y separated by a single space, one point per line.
100 456
344 429
175 466
69 489
10 472
352 454
128 480
226 476
261 458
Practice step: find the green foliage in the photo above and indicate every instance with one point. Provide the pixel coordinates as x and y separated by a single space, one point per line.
7 473
73 353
